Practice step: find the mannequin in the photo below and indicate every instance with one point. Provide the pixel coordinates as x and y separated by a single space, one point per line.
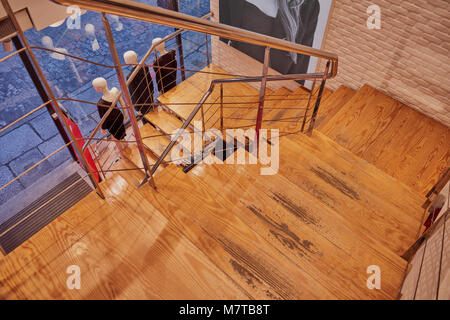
141 87
114 122
90 31
166 79
48 43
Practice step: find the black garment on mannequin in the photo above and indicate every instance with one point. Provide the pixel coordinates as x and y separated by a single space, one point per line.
141 90
166 78
114 121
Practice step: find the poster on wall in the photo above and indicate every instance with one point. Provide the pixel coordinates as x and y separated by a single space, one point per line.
300 21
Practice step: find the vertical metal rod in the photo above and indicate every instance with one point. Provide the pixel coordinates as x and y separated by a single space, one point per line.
127 100
97 161
221 107
203 120
262 93
309 103
208 59
122 108
51 95
319 97
160 83
180 45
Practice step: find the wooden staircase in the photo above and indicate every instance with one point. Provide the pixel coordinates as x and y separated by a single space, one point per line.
334 208
395 138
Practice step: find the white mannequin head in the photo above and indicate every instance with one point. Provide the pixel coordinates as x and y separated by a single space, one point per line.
90 29
47 42
159 46
130 57
100 85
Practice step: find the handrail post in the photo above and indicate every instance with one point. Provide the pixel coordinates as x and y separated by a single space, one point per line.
319 98
262 93
208 60
127 100
180 45
221 107
203 120
97 162
313 87
52 97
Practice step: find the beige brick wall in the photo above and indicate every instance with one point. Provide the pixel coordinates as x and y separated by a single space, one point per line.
407 59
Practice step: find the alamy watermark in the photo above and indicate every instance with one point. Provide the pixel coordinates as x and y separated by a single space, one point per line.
74 279
374 19
374 280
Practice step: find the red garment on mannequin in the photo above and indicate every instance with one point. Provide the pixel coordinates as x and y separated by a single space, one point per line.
80 141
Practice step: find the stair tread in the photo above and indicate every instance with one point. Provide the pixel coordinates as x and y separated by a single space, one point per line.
154 140
259 205
165 121
192 90
332 104
366 174
395 138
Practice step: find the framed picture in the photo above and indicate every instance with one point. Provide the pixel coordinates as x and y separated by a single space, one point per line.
300 21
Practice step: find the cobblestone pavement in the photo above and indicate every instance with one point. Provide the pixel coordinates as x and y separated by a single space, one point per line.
29 141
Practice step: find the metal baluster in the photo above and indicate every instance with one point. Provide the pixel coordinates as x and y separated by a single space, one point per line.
319 97
127 101
262 93
208 60
221 107
97 161
52 97
203 120
307 106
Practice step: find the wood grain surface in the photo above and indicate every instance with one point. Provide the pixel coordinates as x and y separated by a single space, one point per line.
343 199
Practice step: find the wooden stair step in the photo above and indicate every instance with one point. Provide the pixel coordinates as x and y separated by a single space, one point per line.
332 104
240 252
392 136
164 121
380 220
367 175
192 90
154 140
290 113
325 256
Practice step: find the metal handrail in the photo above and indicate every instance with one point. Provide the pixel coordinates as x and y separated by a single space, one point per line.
145 12
214 82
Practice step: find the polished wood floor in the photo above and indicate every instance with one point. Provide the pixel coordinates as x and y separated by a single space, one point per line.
227 232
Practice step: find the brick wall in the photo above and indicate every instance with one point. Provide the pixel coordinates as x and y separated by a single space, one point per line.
407 59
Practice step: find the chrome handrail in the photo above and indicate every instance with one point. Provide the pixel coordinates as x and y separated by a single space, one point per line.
145 12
